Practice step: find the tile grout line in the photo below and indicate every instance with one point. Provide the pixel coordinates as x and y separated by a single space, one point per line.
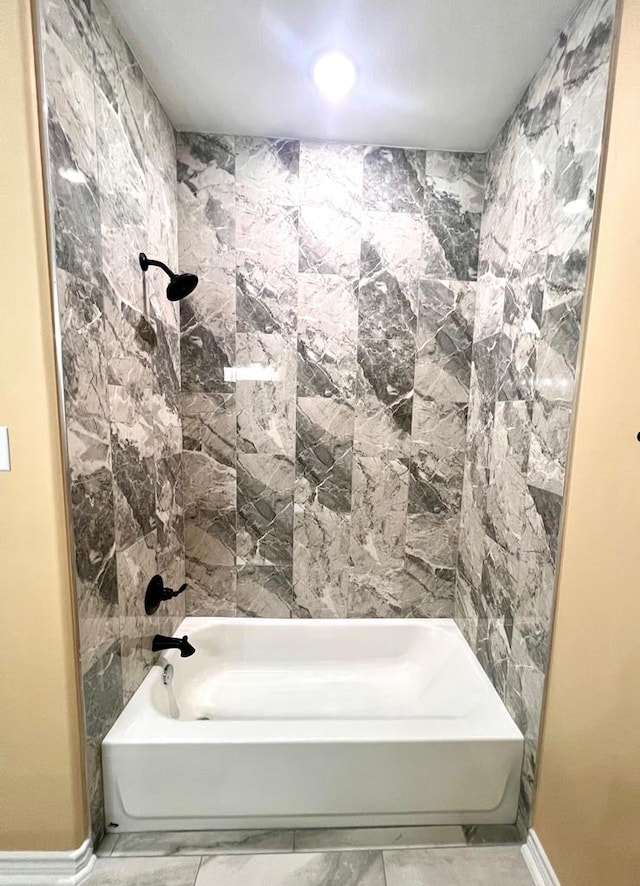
195 881
384 867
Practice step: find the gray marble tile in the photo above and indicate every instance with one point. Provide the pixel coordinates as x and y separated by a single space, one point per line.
132 444
265 394
495 834
73 151
206 205
428 587
454 189
211 589
393 179
549 448
507 474
136 565
388 307
525 680
203 843
376 838
329 241
208 425
118 77
162 207
85 370
264 591
465 610
587 49
379 507
209 478
432 541
493 651
312 869
489 307
331 175
267 170
327 335
472 536
209 509
69 23
136 633
267 236
123 203
206 161
523 296
324 453
321 544
437 457
265 299
207 334
444 340
391 246
557 350
265 510
375 594
144 872
495 866
130 343
107 845
170 520
384 397
536 573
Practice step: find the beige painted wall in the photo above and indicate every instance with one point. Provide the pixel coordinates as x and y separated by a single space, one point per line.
587 813
42 803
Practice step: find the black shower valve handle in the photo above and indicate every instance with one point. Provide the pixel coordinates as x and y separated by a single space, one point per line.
168 593
157 593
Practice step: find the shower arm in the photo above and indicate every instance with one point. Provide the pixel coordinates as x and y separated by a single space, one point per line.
146 263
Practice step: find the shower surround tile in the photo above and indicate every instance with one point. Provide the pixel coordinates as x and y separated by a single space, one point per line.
393 179
534 241
265 510
454 192
318 318
112 154
326 342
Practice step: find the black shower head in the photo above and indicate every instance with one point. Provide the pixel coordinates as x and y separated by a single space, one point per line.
180 285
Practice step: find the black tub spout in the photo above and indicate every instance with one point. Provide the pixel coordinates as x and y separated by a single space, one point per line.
160 643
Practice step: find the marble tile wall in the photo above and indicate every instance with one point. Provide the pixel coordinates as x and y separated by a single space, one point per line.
112 161
534 243
326 359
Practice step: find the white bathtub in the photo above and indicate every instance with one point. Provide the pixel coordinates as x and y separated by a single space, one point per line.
314 723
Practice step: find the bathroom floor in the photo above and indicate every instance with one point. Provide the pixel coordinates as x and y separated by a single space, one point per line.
285 858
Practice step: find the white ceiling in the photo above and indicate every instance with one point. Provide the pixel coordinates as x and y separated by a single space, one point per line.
439 74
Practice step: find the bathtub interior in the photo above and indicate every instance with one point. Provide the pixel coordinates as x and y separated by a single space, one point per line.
356 669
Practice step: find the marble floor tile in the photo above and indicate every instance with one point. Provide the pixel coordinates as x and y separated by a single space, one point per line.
202 843
499 866
332 839
313 869
144 872
107 845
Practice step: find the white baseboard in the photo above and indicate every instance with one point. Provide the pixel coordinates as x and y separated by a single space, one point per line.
536 860
47 868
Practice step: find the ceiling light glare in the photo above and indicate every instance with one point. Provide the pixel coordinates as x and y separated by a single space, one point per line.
334 74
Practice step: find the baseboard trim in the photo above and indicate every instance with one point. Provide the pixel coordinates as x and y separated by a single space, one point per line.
536 860
47 868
